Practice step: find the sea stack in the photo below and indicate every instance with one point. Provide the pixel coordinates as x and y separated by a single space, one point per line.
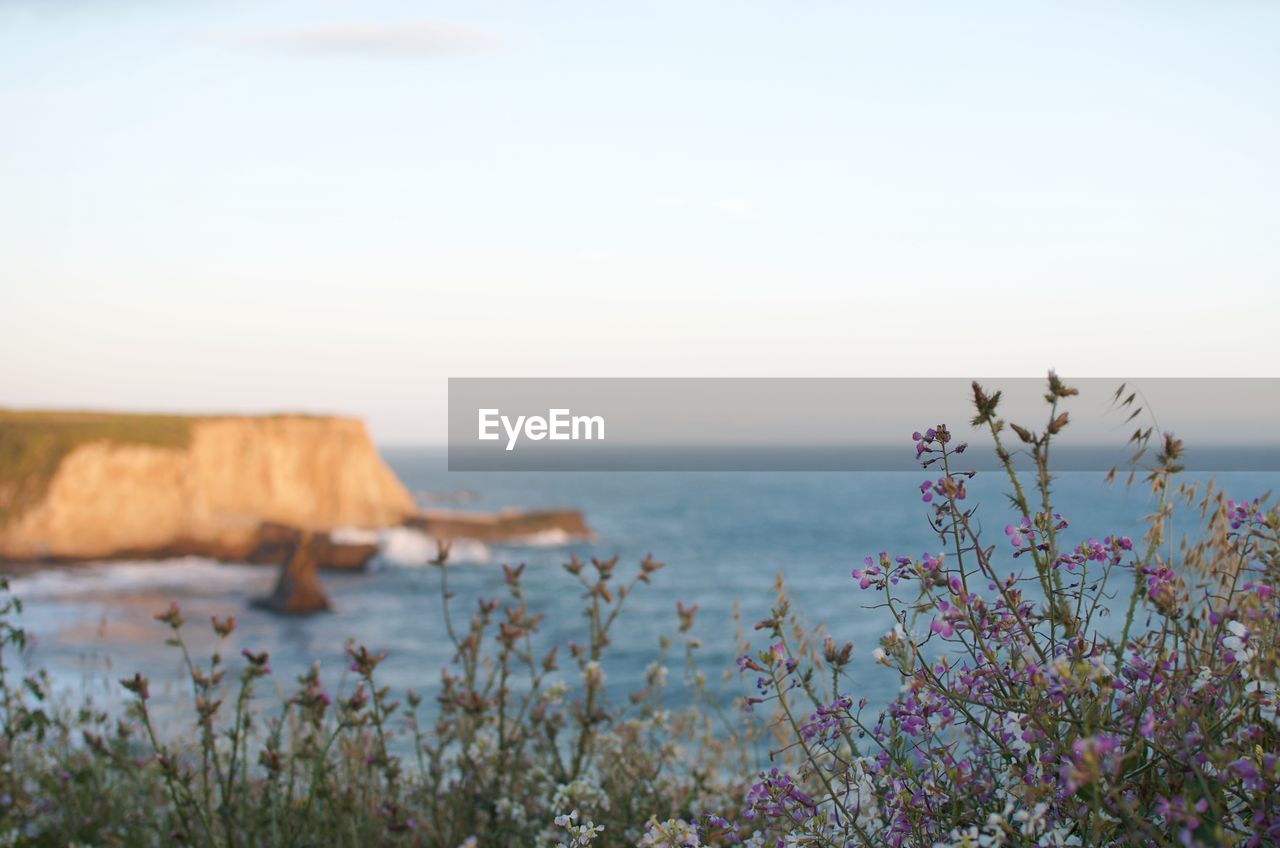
298 590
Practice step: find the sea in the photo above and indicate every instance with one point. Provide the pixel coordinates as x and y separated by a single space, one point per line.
726 538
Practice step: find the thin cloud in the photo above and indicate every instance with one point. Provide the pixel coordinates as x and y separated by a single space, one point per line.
409 38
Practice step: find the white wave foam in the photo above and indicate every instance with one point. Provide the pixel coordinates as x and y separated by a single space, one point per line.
553 538
406 546
403 546
355 536
187 576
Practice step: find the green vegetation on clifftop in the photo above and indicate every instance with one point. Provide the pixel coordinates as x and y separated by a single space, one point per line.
34 443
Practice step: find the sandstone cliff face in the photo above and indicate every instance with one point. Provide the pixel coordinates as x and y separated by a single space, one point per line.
110 499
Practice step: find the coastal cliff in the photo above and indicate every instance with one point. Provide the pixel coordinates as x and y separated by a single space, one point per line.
79 486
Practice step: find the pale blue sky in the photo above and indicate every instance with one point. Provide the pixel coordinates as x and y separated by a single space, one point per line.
334 205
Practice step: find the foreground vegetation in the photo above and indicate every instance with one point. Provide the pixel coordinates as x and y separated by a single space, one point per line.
1056 689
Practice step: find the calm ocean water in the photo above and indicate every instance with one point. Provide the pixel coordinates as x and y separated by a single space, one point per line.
724 538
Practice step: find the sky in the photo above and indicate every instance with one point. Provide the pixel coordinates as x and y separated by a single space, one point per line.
334 206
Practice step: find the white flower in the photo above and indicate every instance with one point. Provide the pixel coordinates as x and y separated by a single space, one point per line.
672 833
1011 727
1238 642
991 836
1203 679
579 793
1059 838
593 674
580 835
1032 822
1264 691
1100 672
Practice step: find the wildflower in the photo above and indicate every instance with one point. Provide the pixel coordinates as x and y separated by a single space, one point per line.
1162 588
580 793
1032 822
1092 758
555 691
1012 734
672 833
924 441
944 624
686 615
1243 514
776 796
1248 773
580 835
172 616
362 661
359 699
137 685
947 487
867 575
1183 814
224 627
312 696
1236 646
257 662
990 836
656 675
836 656
1203 679
827 721
1264 694
593 674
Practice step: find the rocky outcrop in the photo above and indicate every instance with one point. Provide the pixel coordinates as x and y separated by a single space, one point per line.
298 590
210 496
505 526
276 543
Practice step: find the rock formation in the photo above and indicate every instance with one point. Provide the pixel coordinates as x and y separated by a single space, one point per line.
275 543
505 526
209 494
298 590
